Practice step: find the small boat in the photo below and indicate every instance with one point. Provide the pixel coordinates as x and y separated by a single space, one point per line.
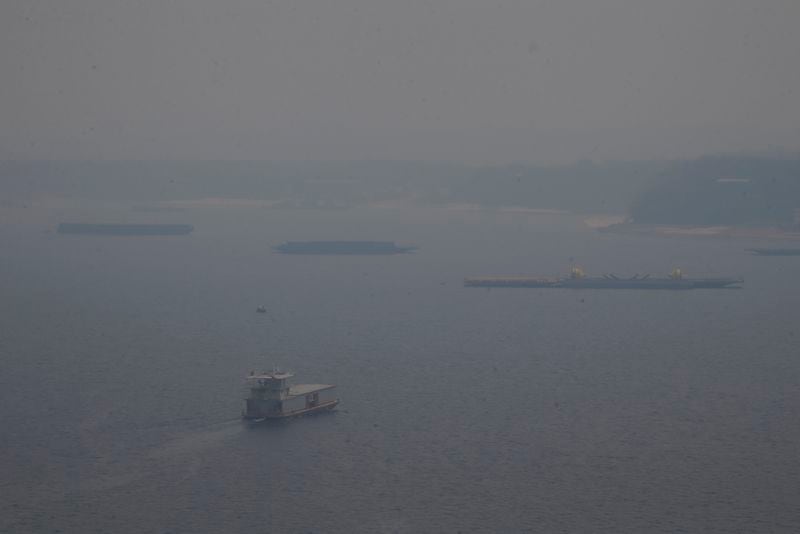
261 309
273 397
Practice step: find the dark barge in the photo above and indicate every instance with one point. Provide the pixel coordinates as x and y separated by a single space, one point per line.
578 280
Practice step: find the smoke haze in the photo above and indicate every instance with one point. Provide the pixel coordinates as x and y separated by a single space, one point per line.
462 80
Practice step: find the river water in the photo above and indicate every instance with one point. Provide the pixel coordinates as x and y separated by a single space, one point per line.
463 409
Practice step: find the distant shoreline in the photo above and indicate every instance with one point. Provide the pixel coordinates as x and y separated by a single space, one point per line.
673 230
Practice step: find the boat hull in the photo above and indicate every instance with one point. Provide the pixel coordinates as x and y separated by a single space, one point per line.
322 407
605 283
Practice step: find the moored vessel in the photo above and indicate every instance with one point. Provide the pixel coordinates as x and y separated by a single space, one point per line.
577 279
272 396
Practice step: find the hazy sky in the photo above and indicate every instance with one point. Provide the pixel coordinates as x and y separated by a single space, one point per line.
466 80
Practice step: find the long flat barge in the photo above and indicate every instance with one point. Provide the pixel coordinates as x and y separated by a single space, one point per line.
577 280
125 229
